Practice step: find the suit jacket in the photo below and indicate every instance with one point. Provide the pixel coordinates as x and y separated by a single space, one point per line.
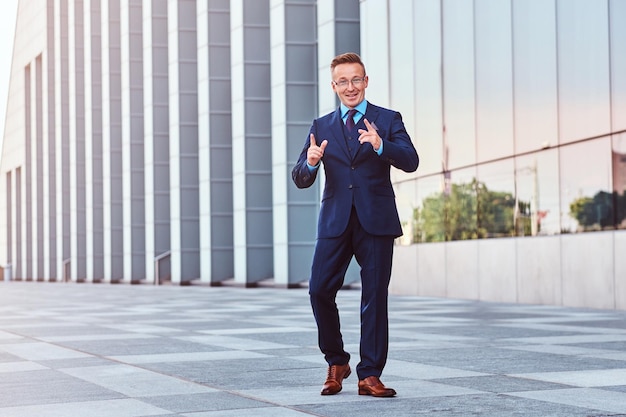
360 177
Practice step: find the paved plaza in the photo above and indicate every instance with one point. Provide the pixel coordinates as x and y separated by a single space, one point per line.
102 350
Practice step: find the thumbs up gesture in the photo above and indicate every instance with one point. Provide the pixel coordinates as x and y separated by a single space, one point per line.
315 153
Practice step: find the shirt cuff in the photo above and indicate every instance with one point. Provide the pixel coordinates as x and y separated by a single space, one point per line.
314 168
380 149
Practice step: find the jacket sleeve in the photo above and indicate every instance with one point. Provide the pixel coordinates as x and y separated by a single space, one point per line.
398 149
301 174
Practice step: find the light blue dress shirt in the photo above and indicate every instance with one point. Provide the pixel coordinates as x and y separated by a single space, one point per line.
360 111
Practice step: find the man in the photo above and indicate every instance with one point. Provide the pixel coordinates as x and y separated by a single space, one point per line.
358 217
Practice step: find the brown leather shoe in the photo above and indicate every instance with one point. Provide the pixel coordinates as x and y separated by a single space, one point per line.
372 386
336 375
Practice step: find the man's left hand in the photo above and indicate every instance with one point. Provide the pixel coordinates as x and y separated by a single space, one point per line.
370 135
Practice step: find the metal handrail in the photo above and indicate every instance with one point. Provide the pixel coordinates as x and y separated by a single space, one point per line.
157 260
66 272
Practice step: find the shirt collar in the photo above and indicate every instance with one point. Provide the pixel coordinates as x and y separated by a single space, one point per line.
361 108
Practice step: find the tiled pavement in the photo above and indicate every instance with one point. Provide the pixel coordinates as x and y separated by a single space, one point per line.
100 350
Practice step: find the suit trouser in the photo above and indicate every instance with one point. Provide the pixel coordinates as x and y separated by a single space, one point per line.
330 261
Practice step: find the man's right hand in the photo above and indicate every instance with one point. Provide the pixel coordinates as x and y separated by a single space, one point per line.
315 153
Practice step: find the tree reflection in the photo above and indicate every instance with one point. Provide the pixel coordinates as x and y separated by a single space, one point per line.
467 211
602 211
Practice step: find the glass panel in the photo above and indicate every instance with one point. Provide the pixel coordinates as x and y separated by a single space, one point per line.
618 63
535 68
586 190
458 79
346 9
583 54
494 80
256 12
447 207
495 190
461 208
429 214
537 194
406 200
619 179
402 63
428 134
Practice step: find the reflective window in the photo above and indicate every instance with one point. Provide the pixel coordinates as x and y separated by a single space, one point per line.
586 190
458 79
504 95
401 86
537 194
447 207
429 212
583 56
619 179
494 80
427 73
617 12
495 197
535 69
406 200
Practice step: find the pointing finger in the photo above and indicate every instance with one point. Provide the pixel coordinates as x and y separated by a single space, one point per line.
323 145
312 137
368 125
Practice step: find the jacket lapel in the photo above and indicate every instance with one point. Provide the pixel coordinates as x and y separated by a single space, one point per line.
336 128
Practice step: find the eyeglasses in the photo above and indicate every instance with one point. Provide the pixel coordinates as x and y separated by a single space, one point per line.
356 82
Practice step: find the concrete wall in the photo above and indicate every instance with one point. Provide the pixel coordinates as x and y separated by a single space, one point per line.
574 270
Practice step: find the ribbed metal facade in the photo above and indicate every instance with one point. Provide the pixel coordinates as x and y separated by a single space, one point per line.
152 140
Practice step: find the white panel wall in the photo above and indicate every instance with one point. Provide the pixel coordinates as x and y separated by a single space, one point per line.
497 270
204 160
89 152
461 263
619 273
588 270
575 270
431 267
538 258
405 265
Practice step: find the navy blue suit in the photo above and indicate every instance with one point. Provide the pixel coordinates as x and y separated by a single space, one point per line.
358 217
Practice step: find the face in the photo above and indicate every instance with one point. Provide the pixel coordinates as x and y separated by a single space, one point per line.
350 94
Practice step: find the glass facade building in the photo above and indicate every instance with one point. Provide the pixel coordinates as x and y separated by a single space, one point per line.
153 140
519 118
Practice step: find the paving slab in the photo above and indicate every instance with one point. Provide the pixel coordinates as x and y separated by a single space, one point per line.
121 350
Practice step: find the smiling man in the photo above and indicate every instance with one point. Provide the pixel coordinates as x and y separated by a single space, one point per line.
356 145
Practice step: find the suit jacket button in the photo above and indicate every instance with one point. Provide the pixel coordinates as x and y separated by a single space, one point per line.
350 186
